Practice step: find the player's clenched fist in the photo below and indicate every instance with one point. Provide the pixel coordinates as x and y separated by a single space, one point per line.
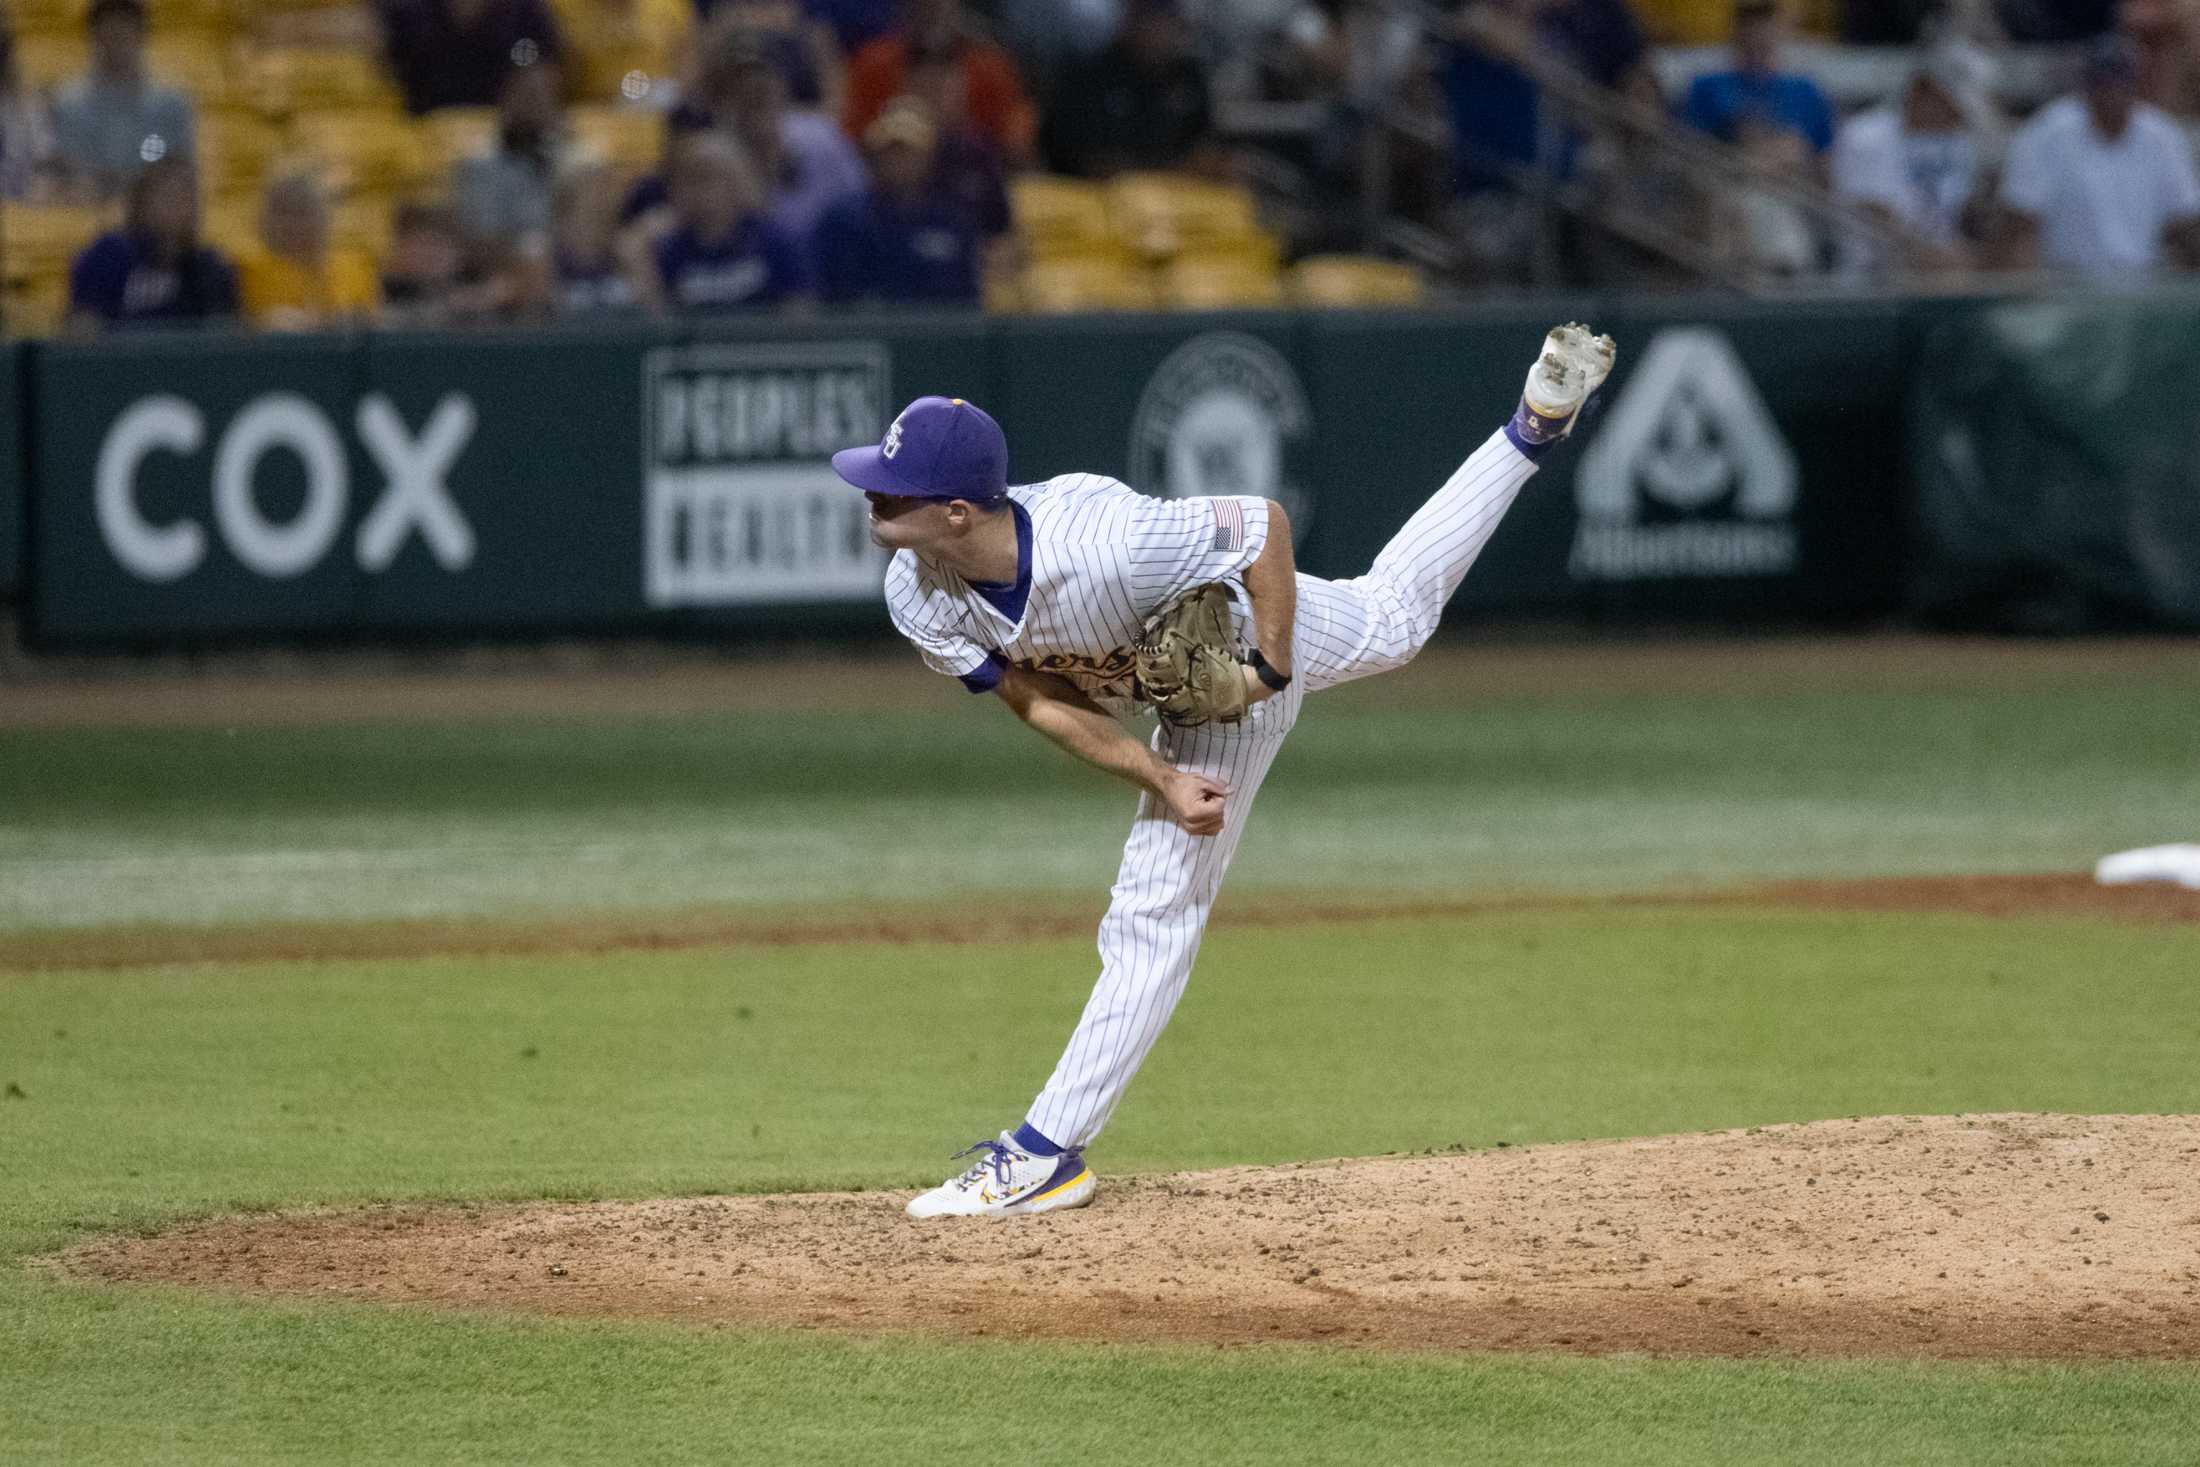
1195 801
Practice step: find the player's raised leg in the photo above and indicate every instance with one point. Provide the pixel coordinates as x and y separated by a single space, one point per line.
1372 623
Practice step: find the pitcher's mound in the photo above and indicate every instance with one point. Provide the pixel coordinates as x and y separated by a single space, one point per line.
1973 1235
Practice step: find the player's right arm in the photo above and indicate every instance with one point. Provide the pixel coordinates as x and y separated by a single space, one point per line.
1059 709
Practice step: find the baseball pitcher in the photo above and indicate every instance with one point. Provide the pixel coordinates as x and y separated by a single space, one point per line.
1078 601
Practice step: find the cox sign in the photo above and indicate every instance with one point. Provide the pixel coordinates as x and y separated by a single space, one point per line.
415 493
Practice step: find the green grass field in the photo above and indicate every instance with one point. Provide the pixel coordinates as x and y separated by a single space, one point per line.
146 1093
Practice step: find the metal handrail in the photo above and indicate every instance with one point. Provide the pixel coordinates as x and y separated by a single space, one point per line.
1706 163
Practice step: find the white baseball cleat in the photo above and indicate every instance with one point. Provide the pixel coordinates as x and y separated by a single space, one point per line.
1574 364
1007 1179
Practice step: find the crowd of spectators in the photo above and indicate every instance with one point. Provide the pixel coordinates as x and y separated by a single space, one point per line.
1942 178
860 152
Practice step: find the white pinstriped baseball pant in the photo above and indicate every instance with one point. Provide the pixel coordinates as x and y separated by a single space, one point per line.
1168 881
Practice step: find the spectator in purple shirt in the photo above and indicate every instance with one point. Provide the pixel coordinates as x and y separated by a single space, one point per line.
721 252
910 239
805 160
590 273
153 271
457 53
802 48
964 160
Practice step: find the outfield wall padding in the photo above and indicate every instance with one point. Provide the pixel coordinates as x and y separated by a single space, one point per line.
1747 464
12 476
2056 487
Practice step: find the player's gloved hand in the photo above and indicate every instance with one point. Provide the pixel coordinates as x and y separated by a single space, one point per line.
1187 661
1195 801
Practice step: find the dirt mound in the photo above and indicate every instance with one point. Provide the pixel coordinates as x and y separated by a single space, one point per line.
1954 1236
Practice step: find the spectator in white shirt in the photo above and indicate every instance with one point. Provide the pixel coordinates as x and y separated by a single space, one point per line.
2101 184
1914 166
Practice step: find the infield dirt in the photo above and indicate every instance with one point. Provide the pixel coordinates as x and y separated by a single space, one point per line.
1994 1235
2043 894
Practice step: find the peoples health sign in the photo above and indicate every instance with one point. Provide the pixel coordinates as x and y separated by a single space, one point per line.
740 502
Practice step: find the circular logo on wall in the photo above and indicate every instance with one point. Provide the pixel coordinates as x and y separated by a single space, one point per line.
1224 414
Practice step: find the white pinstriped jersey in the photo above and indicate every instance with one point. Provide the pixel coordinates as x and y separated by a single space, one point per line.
1104 558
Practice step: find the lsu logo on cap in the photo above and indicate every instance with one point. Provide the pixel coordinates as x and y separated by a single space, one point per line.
892 445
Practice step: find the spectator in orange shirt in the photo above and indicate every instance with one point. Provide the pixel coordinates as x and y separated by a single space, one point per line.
292 280
999 108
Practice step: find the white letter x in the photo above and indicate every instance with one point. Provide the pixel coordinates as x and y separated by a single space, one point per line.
415 492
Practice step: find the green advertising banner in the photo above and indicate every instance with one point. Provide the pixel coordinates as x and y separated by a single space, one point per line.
1171 405
494 485
516 462
13 479
1402 401
2056 486
1747 463
1744 459
190 487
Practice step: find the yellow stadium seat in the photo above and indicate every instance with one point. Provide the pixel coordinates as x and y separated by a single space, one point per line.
235 148
39 239
45 62
363 222
231 223
48 17
1687 22
365 148
1058 216
36 305
1162 214
452 133
1001 292
628 137
196 64
165 19
290 79
1355 280
625 52
1229 281
1095 282
219 17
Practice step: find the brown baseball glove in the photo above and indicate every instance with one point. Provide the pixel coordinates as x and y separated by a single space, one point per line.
1189 668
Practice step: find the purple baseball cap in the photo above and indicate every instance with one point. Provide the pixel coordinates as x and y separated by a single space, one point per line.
939 448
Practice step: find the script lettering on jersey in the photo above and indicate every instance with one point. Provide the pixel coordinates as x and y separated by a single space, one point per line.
1113 676
743 506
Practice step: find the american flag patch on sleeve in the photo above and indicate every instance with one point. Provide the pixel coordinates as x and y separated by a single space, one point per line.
1229 525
